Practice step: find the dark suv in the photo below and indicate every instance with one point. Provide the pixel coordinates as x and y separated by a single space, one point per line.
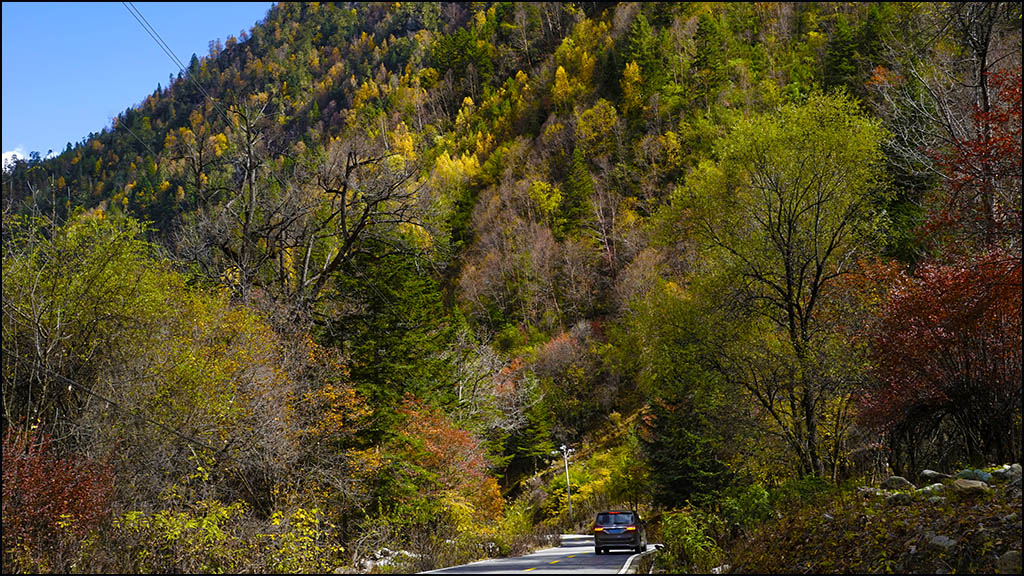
619 529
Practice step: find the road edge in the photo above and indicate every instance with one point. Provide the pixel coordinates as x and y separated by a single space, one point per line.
629 561
482 560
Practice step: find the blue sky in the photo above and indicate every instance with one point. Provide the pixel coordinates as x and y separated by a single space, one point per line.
69 68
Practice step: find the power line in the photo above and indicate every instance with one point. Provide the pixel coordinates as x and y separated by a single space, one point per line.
71 383
152 33
137 14
141 141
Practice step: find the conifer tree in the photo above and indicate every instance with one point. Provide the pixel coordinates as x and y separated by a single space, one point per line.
708 63
840 69
579 188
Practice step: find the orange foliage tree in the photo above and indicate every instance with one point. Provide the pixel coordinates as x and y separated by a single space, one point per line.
455 457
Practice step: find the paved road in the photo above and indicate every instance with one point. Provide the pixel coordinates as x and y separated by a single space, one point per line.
574 556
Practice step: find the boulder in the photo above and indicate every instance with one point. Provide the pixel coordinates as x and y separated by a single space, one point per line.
1001 474
869 492
394 557
933 476
931 489
974 474
899 499
1013 488
1009 563
1007 473
943 544
970 487
897 483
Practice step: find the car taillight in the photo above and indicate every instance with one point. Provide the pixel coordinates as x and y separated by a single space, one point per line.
598 528
628 528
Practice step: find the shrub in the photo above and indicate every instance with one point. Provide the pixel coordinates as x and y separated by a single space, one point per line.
199 539
302 541
746 508
517 533
803 490
52 505
689 541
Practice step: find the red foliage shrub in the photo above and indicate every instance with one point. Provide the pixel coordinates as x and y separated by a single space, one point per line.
50 503
947 353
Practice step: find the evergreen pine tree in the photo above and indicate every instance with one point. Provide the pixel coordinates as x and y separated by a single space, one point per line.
709 63
840 69
579 188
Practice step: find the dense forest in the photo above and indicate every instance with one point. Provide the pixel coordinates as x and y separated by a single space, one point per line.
349 280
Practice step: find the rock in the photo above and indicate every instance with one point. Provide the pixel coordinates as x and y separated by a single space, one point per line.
1007 473
1009 563
943 544
897 483
394 557
869 492
899 499
1001 474
937 500
979 475
1013 488
931 489
970 487
933 476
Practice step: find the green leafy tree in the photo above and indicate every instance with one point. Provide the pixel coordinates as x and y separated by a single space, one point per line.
683 461
70 300
686 431
786 211
106 347
631 474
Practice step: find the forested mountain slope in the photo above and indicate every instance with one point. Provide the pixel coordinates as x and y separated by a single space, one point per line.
349 279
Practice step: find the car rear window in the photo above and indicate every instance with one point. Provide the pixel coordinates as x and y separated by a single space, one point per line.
614 518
